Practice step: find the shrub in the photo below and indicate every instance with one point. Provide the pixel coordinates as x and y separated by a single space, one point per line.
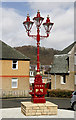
60 93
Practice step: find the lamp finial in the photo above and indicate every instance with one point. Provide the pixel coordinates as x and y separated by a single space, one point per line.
27 15
47 16
38 11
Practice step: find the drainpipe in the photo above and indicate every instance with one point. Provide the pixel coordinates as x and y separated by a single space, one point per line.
55 81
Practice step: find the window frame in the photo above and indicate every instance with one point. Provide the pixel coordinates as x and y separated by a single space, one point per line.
75 80
14 80
63 78
75 59
31 73
15 63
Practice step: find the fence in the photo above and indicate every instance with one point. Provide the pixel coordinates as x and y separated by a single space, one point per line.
14 93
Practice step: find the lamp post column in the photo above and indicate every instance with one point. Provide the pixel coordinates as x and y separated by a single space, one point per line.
38 43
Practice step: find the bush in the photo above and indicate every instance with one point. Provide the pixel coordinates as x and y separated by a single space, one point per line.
60 93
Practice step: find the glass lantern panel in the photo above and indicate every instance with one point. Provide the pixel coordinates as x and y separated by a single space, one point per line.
45 26
48 27
28 25
38 21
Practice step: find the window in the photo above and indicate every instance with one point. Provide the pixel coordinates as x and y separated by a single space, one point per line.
63 79
14 82
75 59
68 62
75 79
31 80
31 73
14 64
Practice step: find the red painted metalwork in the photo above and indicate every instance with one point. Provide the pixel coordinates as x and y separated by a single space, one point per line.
38 89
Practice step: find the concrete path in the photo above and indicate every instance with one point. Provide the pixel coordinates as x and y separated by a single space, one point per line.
16 113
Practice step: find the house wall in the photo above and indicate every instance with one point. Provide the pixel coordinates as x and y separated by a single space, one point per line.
72 65
21 90
70 79
22 74
45 80
23 68
75 66
71 60
69 85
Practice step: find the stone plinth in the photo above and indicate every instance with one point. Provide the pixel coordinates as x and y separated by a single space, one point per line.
32 109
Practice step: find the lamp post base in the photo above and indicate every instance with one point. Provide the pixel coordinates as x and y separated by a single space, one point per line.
31 109
38 90
38 100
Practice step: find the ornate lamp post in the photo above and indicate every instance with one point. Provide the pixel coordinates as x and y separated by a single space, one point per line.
38 91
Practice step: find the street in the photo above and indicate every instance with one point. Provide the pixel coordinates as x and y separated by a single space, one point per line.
12 107
63 103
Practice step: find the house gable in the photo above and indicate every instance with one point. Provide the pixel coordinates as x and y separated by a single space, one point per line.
61 61
68 49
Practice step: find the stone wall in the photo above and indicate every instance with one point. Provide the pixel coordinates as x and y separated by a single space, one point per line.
32 109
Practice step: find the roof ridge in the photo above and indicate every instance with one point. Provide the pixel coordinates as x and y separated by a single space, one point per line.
68 48
10 52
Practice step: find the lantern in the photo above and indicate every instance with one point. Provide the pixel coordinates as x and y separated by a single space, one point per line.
38 20
48 25
28 24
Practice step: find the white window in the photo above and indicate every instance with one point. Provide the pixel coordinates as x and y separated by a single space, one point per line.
43 80
14 64
75 79
31 80
36 67
75 59
14 82
63 79
31 73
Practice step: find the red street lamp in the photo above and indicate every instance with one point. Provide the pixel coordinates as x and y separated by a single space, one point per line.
38 91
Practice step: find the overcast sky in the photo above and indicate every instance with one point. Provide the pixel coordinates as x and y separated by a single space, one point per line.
61 13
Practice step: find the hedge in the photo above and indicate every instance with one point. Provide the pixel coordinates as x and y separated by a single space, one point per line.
59 93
